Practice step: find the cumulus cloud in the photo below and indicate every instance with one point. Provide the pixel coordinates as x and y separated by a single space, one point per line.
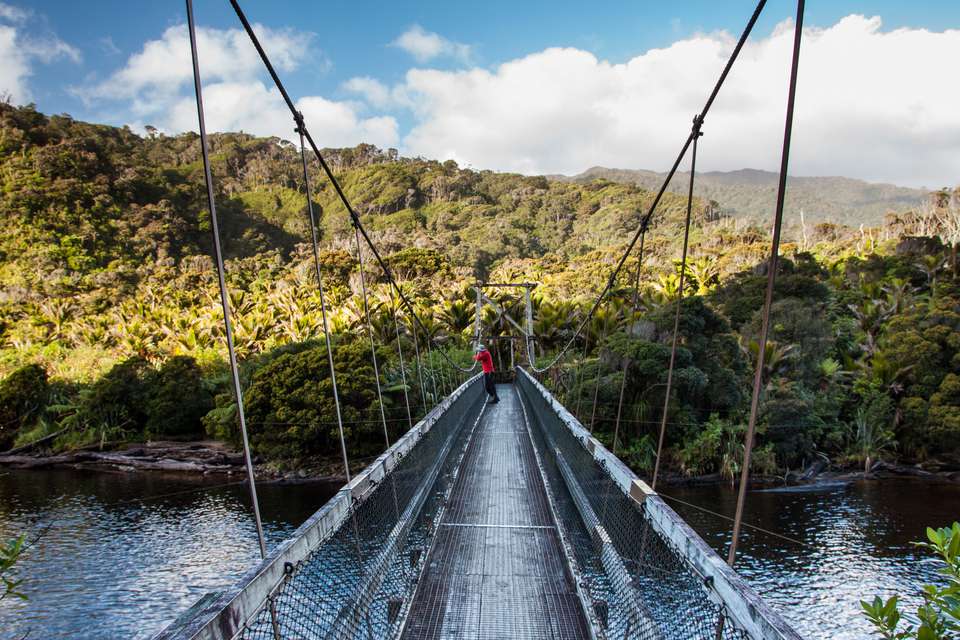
425 45
156 87
10 13
163 66
871 104
23 44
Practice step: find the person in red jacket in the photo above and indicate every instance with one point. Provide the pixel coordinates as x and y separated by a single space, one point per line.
483 356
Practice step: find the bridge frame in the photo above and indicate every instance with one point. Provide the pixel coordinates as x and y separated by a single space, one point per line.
527 331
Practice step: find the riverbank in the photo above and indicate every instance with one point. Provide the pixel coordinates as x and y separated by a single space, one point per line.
215 458
202 458
824 474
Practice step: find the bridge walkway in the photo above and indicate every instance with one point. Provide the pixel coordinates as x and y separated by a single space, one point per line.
496 569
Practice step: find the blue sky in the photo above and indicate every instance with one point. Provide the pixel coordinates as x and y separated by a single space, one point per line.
532 86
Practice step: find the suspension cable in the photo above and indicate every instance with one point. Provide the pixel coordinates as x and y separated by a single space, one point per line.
645 222
221 280
403 372
431 370
579 378
323 307
354 217
327 342
626 363
697 122
416 346
596 384
373 344
771 279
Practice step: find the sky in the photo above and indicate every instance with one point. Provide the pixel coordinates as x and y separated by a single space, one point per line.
532 87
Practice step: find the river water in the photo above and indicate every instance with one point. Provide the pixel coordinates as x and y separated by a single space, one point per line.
118 556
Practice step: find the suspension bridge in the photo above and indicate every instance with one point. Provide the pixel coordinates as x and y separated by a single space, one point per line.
483 521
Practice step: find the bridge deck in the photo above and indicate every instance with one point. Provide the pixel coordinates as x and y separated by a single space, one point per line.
496 568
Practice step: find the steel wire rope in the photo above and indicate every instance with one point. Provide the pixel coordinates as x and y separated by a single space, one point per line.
579 379
697 122
403 373
416 347
771 279
749 525
221 280
376 366
355 218
596 382
432 373
327 342
626 363
323 306
645 222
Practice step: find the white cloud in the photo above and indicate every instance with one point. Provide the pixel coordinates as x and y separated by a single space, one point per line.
377 94
372 90
10 13
871 104
425 45
15 67
155 86
163 66
21 47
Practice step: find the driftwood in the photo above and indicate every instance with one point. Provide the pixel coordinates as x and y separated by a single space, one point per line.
171 457
885 467
36 443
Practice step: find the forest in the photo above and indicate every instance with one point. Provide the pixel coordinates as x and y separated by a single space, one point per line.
111 327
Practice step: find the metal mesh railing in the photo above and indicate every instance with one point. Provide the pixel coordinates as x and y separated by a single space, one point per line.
641 583
352 570
357 583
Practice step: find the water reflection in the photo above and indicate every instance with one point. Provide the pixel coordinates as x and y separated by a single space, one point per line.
856 543
110 566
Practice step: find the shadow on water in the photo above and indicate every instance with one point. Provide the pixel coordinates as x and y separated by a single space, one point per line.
856 542
111 565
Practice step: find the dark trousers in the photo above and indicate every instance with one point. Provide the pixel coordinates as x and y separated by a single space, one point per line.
490 386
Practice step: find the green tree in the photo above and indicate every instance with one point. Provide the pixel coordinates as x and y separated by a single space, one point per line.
290 409
177 399
23 397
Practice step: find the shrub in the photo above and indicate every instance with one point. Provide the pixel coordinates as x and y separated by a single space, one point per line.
939 615
23 397
290 410
134 399
177 399
116 403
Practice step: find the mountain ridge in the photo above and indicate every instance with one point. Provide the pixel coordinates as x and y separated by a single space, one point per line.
751 193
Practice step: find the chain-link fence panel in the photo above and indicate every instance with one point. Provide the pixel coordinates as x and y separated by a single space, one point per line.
350 570
647 574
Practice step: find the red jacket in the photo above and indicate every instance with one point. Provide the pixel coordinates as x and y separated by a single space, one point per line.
485 360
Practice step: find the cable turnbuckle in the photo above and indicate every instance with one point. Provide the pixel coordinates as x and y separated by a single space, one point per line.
697 124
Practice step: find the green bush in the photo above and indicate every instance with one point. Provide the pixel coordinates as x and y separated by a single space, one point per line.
134 399
23 397
290 410
115 405
177 399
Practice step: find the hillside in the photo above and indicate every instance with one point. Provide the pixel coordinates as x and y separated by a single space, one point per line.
82 201
751 194
111 327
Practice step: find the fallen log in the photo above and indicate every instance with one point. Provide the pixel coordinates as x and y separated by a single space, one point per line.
115 460
886 467
35 443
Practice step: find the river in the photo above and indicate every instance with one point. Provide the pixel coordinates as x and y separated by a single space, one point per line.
118 556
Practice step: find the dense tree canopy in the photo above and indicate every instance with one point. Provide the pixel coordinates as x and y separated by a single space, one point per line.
107 287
